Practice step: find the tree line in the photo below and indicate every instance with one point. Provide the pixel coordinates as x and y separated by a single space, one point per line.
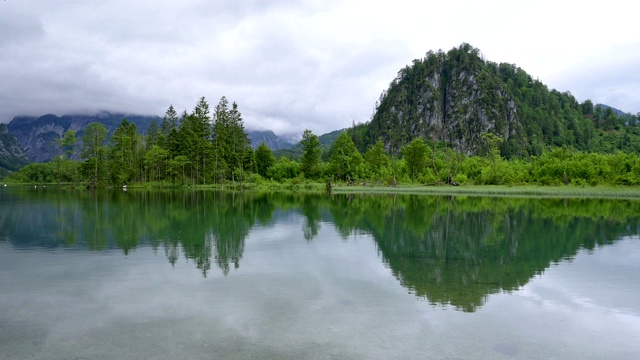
200 147
204 147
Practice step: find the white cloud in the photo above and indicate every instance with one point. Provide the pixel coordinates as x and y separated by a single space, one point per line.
293 65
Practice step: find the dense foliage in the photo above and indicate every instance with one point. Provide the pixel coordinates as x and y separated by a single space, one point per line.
205 147
456 96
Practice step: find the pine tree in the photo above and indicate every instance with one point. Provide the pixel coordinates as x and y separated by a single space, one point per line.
169 121
220 138
310 162
92 147
124 153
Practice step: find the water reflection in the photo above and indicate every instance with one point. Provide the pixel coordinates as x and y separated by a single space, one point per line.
448 250
459 250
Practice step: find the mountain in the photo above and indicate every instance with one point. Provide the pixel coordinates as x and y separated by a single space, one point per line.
273 141
326 140
457 96
616 111
11 155
37 135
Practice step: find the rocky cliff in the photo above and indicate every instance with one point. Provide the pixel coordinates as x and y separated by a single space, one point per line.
449 97
12 157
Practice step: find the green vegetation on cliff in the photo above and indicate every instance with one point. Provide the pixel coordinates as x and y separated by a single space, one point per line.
455 97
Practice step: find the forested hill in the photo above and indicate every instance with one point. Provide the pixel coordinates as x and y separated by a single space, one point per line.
37 135
455 97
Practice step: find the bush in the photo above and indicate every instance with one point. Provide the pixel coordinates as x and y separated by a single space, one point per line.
460 179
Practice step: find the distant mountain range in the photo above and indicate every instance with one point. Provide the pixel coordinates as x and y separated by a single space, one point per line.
32 139
273 141
37 135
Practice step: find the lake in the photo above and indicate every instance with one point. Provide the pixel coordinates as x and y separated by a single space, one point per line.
204 274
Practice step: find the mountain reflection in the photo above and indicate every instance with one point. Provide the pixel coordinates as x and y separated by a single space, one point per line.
448 250
459 250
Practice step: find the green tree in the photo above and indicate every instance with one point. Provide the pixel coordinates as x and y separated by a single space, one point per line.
177 167
492 144
587 107
415 157
92 148
221 138
59 157
154 161
194 138
153 134
124 153
202 138
310 164
69 142
376 159
345 158
169 121
229 140
239 143
264 159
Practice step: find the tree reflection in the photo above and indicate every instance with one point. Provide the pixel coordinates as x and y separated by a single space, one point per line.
459 250
447 250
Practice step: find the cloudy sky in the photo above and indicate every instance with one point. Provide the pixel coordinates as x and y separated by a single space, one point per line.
292 65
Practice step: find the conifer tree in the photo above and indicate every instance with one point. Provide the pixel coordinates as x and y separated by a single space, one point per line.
92 148
310 163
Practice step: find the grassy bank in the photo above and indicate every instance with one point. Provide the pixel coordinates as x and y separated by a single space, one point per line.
599 191
604 191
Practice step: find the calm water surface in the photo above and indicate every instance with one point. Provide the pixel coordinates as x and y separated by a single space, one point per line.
204 275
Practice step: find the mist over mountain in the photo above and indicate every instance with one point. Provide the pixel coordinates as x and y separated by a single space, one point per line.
273 141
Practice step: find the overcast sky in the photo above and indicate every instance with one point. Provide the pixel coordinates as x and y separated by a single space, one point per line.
292 65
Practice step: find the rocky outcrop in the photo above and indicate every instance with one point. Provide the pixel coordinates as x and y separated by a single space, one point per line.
452 97
12 157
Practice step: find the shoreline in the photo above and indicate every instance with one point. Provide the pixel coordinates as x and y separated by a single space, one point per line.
534 191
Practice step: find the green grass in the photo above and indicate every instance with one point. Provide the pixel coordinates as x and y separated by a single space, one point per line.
600 191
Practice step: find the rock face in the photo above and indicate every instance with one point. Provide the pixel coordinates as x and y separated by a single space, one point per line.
452 97
37 135
11 155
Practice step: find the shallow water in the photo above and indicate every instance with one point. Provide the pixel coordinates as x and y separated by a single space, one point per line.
164 275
